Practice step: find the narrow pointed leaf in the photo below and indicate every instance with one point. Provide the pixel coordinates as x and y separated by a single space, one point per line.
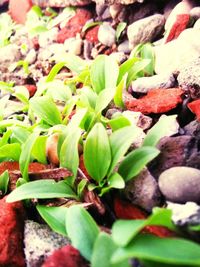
42 189
82 230
135 161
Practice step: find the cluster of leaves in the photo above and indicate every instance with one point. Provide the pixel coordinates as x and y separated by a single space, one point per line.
126 240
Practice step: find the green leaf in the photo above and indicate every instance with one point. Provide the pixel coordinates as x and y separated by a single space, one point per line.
100 73
46 109
3 103
163 250
114 181
20 134
4 181
125 67
10 151
42 189
120 141
103 99
124 231
54 217
4 139
69 157
120 27
119 122
147 52
54 71
81 186
118 98
104 247
58 91
26 154
135 161
137 67
82 230
90 25
39 149
97 153
166 126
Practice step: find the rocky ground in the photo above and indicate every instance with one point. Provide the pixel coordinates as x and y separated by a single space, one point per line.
113 28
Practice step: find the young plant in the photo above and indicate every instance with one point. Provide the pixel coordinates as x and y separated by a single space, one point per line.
102 153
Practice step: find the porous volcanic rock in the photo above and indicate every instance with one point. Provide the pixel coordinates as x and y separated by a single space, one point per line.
11 234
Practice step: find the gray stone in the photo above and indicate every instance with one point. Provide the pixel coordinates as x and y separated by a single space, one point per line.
145 84
189 78
143 191
180 184
61 3
40 242
106 34
9 54
145 30
195 12
74 45
124 47
172 56
185 214
193 129
174 152
141 11
197 24
123 2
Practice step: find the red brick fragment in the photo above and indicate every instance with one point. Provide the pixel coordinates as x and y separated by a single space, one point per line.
127 211
11 234
182 20
67 256
14 166
92 34
18 10
74 25
31 88
156 101
195 108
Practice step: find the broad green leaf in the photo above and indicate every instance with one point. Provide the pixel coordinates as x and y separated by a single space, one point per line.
3 103
119 122
90 25
135 161
88 97
120 141
104 247
114 181
163 250
125 67
138 67
54 71
120 27
118 98
54 217
4 139
58 90
124 231
100 73
39 149
69 157
42 189
4 181
82 230
22 93
26 154
46 109
103 99
97 153
20 134
10 151
147 52
81 186
166 126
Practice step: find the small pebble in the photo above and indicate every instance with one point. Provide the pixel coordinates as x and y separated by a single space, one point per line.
106 34
180 184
